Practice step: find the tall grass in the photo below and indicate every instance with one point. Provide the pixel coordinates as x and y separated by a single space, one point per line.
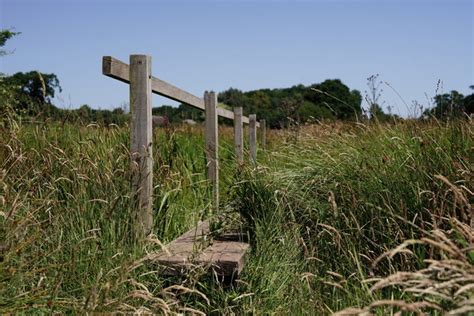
348 194
320 210
66 230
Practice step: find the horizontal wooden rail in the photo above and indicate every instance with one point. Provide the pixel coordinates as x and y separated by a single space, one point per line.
119 70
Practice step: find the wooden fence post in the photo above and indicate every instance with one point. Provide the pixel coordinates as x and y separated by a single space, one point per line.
238 135
263 131
253 138
212 145
141 139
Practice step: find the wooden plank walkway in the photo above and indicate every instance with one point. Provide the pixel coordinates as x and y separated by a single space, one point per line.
224 255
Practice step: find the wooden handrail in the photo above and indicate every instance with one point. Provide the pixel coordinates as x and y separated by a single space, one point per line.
119 70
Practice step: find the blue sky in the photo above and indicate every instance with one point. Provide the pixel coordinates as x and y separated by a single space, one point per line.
214 45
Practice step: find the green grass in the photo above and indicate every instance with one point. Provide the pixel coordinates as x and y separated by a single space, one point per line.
319 210
352 194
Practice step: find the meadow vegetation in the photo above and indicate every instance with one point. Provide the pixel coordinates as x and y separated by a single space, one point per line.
355 217
324 210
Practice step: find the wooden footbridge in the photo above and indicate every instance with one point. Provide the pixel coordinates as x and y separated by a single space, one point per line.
225 254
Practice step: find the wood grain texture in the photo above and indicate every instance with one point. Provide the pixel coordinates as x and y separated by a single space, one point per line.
225 257
225 113
253 138
178 254
238 135
196 248
141 138
212 145
119 70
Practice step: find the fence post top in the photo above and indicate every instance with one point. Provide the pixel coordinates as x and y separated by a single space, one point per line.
138 56
140 59
212 93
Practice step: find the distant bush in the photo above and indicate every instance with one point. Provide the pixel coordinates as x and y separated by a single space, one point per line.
451 105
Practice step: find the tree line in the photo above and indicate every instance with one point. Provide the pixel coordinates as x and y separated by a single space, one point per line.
30 95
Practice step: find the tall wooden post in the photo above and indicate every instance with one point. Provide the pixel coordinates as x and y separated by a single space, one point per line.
141 139
238 135
212 145
253 138
263 131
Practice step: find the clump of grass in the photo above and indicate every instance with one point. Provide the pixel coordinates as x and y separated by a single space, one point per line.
352 193
445 285
320 209
66 230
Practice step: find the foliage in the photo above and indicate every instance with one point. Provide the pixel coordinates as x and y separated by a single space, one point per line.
330 99
34 90
320 212
7 107
469 103
323 212
451 105
7 98
86 115
349 195
5 35
66 243
445 284
178 114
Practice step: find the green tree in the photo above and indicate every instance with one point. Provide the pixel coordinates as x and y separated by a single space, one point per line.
452 104
343 103
38 86
84 113
8 99
5 35
34 90
330 99
469 103
233 97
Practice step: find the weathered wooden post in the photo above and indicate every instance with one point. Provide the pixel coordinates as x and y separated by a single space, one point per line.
141 139
253 138
238 135
263 131
212 145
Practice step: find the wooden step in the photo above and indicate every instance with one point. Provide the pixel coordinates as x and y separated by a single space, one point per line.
224 255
